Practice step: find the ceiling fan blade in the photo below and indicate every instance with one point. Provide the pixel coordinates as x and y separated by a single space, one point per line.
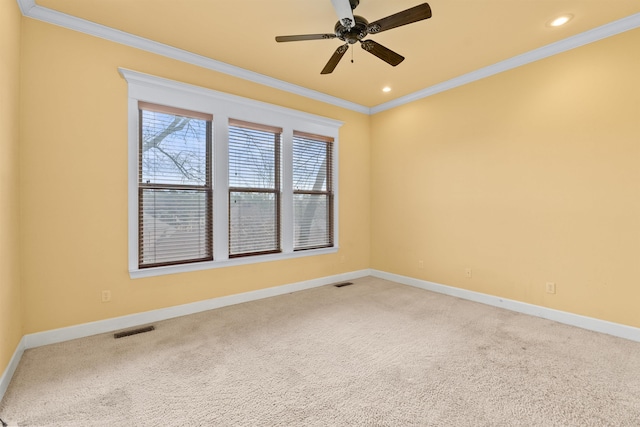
303 37
409 16
387 55
335 58
344 12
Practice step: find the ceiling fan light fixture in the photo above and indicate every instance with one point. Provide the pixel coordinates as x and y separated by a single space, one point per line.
560 20
386 89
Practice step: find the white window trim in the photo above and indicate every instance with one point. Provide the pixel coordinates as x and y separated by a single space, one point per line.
157 90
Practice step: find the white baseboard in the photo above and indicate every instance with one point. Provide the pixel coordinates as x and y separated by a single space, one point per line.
5 379
584 322
109 325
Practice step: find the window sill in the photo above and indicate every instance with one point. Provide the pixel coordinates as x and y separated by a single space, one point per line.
184 268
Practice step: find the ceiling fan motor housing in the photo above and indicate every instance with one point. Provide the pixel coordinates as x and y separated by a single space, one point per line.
355 33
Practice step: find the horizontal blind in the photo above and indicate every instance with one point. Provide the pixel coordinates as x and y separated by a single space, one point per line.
174 226
254 188
147 106
175 187
313 191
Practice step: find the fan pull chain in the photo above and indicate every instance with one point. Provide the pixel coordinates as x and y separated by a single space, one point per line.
352 54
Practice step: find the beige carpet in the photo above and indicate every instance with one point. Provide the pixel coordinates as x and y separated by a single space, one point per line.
373 354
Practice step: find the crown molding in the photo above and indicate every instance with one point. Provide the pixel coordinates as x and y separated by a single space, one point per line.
26 5
616 27
30 9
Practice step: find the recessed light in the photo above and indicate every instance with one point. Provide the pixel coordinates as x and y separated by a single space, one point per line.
560 20
386 89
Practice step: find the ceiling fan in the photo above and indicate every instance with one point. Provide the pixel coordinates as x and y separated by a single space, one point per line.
353 28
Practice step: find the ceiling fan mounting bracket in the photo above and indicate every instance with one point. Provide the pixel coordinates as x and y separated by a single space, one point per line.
374 28
367 45
353 34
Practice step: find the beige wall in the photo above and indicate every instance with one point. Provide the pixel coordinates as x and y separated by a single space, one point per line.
527 177
74 185
10 304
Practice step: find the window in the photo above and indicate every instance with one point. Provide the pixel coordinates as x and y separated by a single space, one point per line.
216 180
174 201
313 191
254 188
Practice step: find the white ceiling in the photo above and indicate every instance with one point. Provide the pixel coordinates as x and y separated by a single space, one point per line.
463 41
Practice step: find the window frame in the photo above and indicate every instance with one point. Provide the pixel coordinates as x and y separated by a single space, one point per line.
276 190
223 107
329 190
206 188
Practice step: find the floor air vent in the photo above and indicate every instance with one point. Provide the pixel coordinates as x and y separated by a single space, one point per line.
340 285
133 332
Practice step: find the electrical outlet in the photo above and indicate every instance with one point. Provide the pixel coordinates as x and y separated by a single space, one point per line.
551 288
421 264
467 273
106 296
